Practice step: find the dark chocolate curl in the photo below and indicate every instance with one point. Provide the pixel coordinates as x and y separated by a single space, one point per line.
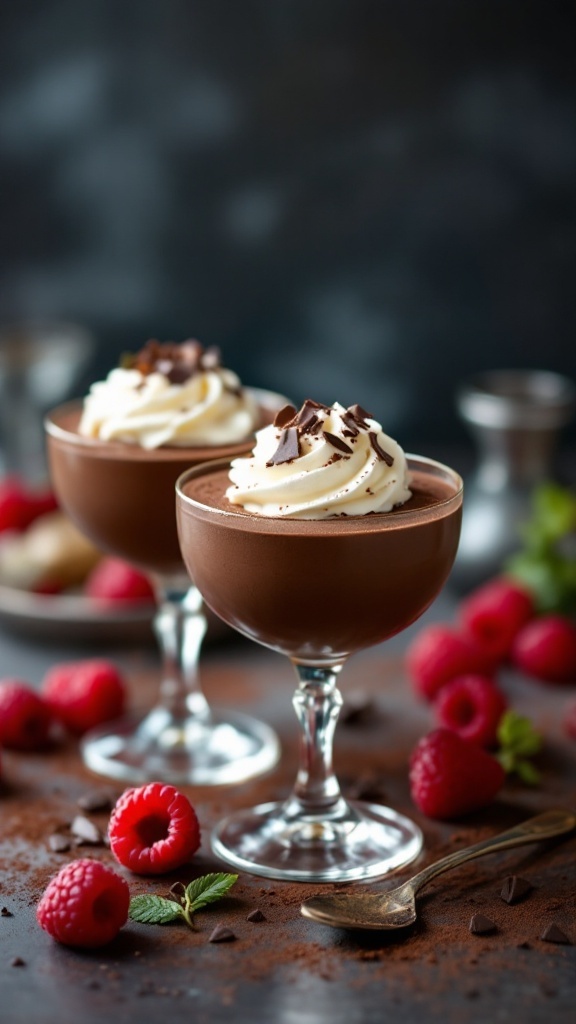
284 415
288 447
337 442
385 456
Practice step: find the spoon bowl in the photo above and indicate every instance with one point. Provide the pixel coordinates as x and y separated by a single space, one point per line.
396 908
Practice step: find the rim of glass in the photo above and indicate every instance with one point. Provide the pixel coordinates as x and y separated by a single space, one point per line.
347 522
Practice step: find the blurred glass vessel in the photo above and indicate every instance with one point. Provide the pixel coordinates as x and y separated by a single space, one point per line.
515 417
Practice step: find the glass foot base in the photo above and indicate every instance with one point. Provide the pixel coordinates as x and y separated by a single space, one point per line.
360 841
229 748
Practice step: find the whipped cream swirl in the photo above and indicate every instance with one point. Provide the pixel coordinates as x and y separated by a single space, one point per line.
170 395
319 462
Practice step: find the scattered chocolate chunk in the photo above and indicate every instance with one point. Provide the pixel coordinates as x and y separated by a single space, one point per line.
256 915
360 415
222 934
59 843
515 889
337 442
97 800
6 913
481 925
385 456
17 961
288 447
85 831
284 416
555 934
357 708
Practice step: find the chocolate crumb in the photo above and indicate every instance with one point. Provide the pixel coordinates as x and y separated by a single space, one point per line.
58 843
357 708
553 933
256 915
222 934
17 961
6 913
481 925
515 889
97 800
86 832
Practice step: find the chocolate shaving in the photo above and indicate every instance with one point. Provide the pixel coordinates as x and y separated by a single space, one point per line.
222 934
58 843
555 934
349 419
515 889
176 362
360 415
97 800
481 925
288 447
337 442
284 416
307 419
385 456
86 832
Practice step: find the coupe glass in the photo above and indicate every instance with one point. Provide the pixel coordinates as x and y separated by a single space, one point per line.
318 591
121 496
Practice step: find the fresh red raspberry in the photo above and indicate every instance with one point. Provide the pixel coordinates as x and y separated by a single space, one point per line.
19 506
115 580
450 776
439 653
471 706
84 694
494 613
546 649
13 504
153 829
86 904
25 719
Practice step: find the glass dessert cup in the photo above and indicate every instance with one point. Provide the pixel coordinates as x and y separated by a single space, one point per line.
319 591
121 496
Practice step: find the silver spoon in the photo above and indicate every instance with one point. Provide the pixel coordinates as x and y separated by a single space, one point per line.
397 907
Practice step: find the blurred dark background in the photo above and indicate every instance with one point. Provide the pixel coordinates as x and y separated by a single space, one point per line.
361 200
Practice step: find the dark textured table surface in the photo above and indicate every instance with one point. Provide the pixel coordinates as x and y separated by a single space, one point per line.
287 969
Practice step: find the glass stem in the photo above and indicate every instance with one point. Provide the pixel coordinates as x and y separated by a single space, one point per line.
180 626
317 703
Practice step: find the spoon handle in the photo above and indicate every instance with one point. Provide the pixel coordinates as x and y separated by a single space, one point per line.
543 826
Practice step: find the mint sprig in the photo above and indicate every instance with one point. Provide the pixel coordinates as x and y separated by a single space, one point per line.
519 742
546 560
186 900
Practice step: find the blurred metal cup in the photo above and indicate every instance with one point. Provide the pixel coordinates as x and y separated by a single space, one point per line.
515 417
40 362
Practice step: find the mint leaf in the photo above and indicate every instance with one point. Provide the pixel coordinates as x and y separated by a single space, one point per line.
546 562
208 889
518 741
150 909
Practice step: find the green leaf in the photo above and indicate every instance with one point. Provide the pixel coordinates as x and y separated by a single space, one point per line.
518 741
150 909
208 889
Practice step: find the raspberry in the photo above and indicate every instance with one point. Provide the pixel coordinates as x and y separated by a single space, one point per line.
84 694
86 904
153 829
115 580
25 719
546 649
471 706
438 654
450 777
19 507
494 613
